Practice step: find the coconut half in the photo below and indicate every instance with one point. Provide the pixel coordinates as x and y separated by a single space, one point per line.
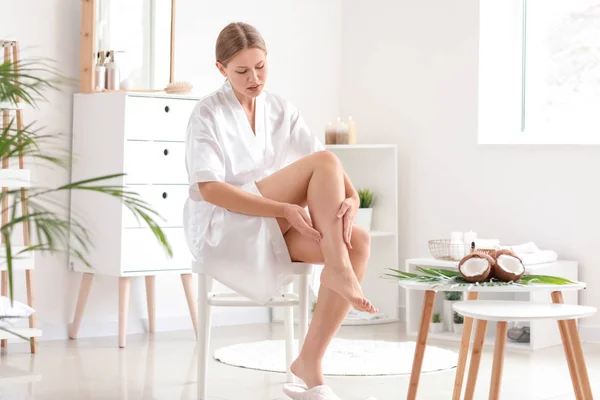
476 267
508 267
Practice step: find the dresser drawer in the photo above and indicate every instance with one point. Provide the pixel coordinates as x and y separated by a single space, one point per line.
155 162
166 200
148 118
141 251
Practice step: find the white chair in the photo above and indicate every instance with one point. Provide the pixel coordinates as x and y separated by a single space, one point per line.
504 311
207 299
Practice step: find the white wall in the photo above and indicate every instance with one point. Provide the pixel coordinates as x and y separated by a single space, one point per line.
303 67
409 76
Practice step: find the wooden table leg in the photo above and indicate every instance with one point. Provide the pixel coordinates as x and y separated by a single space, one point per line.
475 358
501 331
557 297
420 344
4 292
582 373
464 351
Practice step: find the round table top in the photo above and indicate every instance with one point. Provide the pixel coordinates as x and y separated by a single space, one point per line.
494 310
441 287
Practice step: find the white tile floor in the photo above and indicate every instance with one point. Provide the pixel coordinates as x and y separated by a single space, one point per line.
163 367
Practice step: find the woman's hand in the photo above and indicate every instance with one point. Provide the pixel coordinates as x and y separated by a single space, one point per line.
348 211
300 220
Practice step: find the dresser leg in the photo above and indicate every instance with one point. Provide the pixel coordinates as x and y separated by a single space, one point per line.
150 299
84 292
188 288
124 290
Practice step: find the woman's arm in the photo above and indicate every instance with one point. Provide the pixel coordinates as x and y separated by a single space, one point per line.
237 200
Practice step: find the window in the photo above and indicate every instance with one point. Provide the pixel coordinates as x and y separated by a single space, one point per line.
539 72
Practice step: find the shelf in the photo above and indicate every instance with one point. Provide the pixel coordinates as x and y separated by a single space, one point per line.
21 262
359 146
381 234
15 178
26 332
456 337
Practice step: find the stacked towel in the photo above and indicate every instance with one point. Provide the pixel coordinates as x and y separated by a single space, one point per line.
530 254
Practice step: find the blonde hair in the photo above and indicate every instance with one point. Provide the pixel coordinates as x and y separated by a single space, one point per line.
236 37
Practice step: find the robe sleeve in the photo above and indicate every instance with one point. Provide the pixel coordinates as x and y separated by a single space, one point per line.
205 161
302 139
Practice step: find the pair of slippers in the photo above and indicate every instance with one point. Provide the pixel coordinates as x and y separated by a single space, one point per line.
301 392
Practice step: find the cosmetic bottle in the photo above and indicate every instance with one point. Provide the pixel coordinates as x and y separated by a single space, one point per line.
100 72
112 73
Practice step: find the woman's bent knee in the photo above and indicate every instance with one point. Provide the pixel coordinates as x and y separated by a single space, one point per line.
327 158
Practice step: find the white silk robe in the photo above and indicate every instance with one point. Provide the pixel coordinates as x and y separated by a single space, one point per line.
245 253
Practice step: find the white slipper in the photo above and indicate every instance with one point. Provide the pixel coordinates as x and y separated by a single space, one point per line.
299 392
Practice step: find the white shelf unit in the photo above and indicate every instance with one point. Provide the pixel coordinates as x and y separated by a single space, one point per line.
542 333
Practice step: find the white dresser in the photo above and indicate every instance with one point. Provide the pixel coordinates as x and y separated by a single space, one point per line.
142 136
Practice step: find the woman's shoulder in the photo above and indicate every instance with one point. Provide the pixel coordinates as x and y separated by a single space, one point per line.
279 103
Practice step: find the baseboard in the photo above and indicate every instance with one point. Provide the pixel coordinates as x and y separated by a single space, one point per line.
589 333
220 317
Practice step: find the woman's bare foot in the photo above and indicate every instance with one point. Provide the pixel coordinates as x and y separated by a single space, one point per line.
311 375
343 281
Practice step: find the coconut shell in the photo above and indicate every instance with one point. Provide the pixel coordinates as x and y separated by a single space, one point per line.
502 274
481 277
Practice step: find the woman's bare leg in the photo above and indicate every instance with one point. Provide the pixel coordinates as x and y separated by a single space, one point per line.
331 307
319 181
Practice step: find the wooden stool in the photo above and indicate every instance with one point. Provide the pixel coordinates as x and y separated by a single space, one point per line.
504 311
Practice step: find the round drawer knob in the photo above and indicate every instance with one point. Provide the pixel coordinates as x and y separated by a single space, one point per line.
167 109
166 152
164 195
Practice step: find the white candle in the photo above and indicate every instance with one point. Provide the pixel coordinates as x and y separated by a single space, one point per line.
457 251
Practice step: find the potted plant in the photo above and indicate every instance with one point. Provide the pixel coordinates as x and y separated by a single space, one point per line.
448 313
458 323
436 324
51 228
364 215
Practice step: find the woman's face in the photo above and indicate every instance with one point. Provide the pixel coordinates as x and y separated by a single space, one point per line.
247 71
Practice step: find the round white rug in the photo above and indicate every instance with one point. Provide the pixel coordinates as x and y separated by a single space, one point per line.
343 357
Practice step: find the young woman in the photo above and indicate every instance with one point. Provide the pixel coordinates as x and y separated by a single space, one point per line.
254 167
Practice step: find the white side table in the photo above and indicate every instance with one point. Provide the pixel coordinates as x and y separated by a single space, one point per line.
542 332
473 292
504 311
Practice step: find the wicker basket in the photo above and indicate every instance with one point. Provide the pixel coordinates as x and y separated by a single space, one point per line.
443 249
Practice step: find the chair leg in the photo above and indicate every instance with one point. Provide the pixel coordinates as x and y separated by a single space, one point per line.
204 320
188 288
501 331
569 351
475 358
124 290
288 323
84 292
303 310
421 344
150 299
464 351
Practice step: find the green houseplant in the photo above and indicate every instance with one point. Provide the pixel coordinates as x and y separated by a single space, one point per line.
458 323
449 298
436 323
37 208
364 214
